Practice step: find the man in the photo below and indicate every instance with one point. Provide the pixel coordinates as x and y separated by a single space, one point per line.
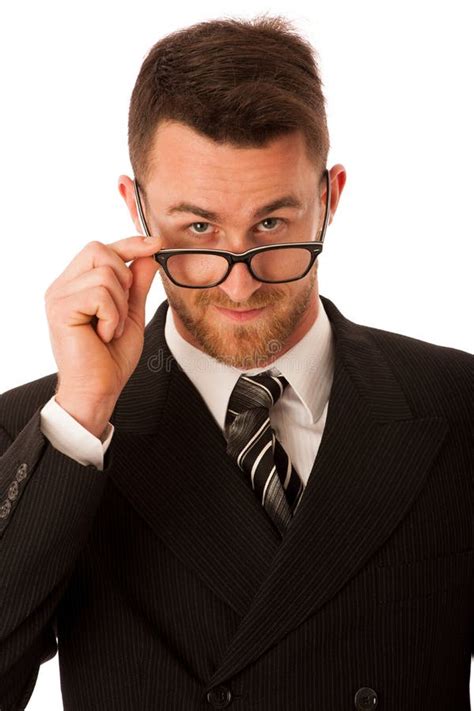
253 502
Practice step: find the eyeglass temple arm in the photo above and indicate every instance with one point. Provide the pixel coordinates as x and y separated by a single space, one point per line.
327 212
140 209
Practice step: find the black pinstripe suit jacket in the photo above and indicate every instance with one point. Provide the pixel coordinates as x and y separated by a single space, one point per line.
163 584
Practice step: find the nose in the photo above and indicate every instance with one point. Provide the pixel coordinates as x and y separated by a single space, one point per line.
240 284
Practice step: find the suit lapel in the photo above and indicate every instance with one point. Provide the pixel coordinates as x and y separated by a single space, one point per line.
372 462
192 495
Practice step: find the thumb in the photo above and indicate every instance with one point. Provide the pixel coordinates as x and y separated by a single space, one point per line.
143 270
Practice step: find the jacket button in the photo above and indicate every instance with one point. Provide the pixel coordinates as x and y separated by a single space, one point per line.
22 471
365 698
219 697
5 508
13 490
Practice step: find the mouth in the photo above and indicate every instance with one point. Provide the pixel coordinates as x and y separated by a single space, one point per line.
241 314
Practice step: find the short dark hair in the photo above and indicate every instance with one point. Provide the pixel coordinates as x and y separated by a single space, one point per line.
237 81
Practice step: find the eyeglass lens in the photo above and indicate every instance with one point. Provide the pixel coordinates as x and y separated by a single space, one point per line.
271 265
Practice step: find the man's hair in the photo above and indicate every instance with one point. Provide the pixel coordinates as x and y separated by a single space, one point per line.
238 81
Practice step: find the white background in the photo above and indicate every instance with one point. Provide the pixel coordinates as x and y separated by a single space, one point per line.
398 82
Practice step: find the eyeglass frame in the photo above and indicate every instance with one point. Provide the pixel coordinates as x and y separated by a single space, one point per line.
315 247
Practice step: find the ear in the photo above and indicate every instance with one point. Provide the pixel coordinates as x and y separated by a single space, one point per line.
337 176
127 191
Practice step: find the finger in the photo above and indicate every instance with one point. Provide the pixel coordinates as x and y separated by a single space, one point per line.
79 308
100 276
115 254
144 271
134 247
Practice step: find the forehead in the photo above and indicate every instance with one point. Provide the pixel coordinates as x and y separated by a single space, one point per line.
223 178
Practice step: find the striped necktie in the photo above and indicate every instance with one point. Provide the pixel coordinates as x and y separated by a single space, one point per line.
252 443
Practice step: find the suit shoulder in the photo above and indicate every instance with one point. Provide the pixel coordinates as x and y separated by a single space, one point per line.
18 405
438 379
403 346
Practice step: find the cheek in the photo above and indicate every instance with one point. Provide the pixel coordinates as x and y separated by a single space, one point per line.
299 292
290 293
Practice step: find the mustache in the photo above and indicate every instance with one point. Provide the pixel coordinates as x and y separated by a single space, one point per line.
258 300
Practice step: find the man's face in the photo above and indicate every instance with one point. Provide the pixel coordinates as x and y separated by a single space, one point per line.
242 322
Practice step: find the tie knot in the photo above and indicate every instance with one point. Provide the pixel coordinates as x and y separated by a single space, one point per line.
251 391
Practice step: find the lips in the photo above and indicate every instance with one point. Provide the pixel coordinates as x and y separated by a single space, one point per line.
241 314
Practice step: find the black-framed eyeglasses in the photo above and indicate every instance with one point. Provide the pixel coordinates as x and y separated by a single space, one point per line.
192 268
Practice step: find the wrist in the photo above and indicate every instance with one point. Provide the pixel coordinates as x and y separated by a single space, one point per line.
93 416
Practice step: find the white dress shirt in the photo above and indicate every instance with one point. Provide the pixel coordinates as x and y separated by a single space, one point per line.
298 417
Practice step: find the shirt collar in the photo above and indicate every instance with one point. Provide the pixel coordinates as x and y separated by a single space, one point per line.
308 366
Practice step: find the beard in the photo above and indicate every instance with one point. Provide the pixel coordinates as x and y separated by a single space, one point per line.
246 345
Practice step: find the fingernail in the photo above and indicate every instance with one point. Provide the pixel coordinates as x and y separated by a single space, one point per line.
151 239
120 329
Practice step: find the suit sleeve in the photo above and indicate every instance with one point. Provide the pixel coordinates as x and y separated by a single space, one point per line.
71 438
48 503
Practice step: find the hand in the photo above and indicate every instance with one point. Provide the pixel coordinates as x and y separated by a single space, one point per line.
86 306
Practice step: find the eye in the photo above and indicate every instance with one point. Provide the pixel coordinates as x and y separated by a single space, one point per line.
199 228
199 231
270 219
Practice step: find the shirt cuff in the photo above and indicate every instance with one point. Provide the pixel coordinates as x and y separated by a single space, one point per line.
68 436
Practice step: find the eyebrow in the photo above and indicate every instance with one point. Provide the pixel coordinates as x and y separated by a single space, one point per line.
285 201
